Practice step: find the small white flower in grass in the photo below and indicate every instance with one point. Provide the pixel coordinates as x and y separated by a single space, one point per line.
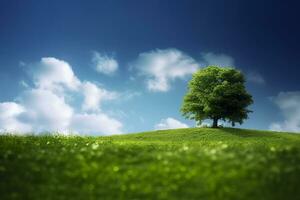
273 149
95 146
213 151
115 168
185 148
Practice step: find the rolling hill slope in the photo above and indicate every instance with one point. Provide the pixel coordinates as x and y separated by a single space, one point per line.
196 163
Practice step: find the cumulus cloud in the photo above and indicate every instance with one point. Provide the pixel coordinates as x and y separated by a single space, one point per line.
94 95
221 60
9 122
289 105
45 111
161 67
255 77
96 123
104 64
45 106
169 123
54 74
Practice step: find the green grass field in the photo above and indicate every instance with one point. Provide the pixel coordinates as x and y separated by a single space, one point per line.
196 163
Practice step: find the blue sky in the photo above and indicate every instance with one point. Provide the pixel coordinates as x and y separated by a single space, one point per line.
105 67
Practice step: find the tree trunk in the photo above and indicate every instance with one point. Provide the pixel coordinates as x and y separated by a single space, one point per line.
215 123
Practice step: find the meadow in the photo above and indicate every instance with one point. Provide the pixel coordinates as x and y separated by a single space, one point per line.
194 163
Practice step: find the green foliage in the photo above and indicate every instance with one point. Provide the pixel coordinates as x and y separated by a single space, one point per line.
217 93
197 163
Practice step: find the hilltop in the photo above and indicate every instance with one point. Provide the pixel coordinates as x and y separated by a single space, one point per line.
194 163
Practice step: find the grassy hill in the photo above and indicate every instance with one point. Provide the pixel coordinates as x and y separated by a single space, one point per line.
196 163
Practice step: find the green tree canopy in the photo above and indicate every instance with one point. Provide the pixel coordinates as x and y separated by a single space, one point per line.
217 93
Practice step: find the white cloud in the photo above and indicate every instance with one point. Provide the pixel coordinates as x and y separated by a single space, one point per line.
45 106
96 124
94 95
255 77
289 104
160 67
46 111
54 74
221 60
9 113
104 64
169 123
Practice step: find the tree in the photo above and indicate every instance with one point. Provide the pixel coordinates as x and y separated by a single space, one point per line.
218 94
